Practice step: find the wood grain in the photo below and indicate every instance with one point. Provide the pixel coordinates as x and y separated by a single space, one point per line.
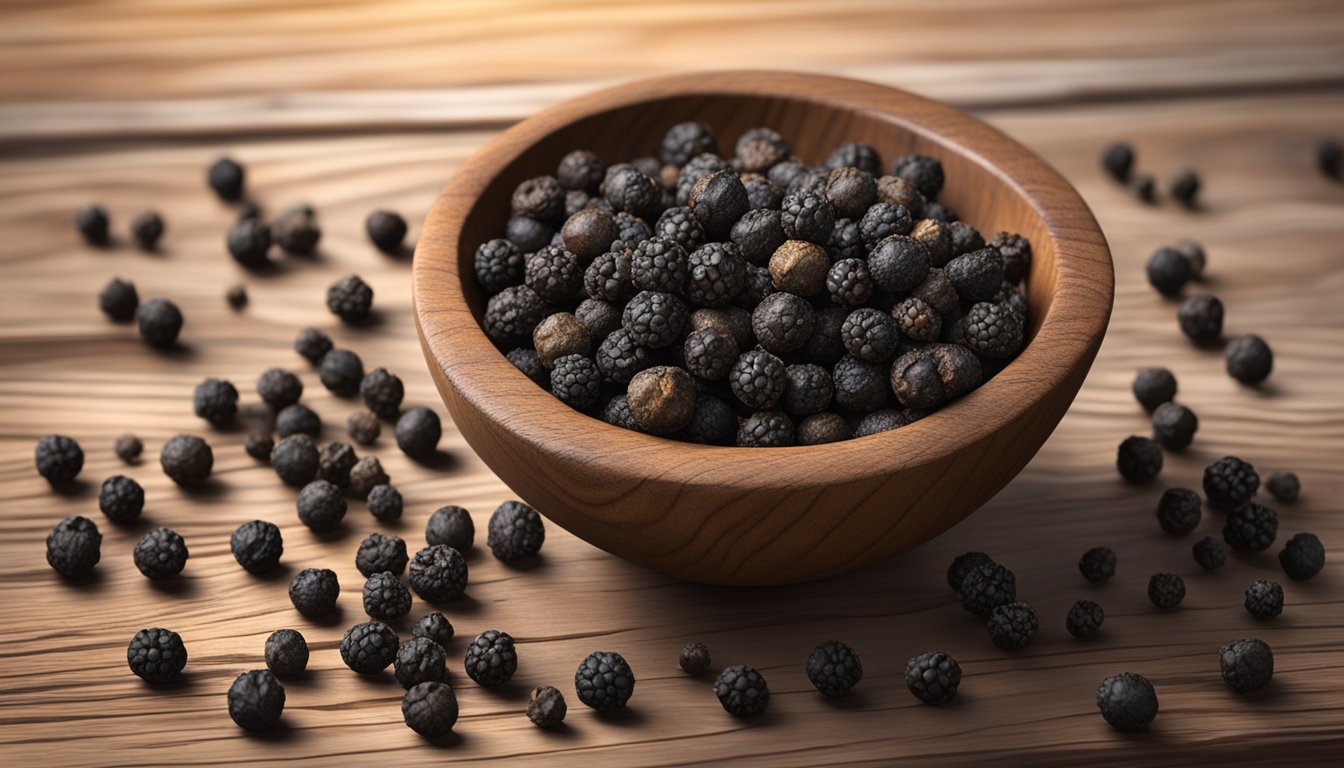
749 517
1272 228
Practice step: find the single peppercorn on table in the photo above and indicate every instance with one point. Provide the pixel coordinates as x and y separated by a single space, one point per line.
378 115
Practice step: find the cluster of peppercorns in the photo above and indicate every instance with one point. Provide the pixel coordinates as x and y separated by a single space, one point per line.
752 300
1248 358
988 590
1118 160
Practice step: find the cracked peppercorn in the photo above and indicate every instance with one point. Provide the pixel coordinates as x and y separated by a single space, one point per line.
295 459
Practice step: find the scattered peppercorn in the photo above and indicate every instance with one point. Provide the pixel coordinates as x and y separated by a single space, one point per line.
279 388
515 531
1264 599
187 460
366 475
1246 665
1166 590
933 677
74 547
430 709
320 504
369 648
59 459
1144 187
298 419
350 299
1168 271
313 345
1174 426
491 658
128 448
1139 459
1178 511
378 553
1229 483
834 668
1084 619
986 587
156 655
313 591
1249 359
604 681
1330 158
248 241
1303 556
226 179
434 626
92 224
742 691
1127 701
257 546
286 653
119 301
386 230
1251 528
334 463
438 573
1098 564
694 659
452 526
1185 186
296 232
963 565
1283 486
420 660
1153 387
1210 553
363 427
161 554
418 432
160 322
341 372
385 597
1013 625
1201 319
546 707
216 401
295 459
1118 159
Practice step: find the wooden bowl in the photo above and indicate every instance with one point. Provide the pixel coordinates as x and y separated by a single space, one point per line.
745 516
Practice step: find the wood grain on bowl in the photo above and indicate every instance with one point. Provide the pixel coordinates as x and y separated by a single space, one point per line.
761 516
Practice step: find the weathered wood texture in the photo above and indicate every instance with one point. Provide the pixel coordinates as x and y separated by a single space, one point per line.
1271 225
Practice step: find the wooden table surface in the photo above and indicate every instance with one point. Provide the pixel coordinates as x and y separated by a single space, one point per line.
369 104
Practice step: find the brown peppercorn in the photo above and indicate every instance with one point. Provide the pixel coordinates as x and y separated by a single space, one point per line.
825 427
661 399
800 267
850 192
558 335
732 321
588 233
896 190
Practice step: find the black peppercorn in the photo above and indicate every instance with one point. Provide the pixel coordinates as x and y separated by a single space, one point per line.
1249 359
512 314
807 389
491 658
385 502
378 553
1264 599
1178 511
849 283
880 221
766 429
1283 486
933 677
498 265
161 554
350 299
366 475
1127 701
659 264
259 445
370 647
119 300
385 597
1201 319
758 234
1013 626
257 546
709 354
225 177
1166 590
295 459
430 709
718 201
895 190
321 506
451 525
964 564
991 329
782 322
654 319
898 264
712 423
1185 186
382 392
341 372
248 241
313 345
363 427
807 216
1084 619
937 291
581 170
160 322
128 448
1174 426
870 334
925 172
438 573
1246 665
515 531
882 421
59 459
92 225
156 655
1302 557
187 460
855 154
930 376
1118 159
313 591
916 320
604 681
298 419
146 229
216 401
1139 459
528 234
1229 483
758 378
936 237
546 707
1144 187
694 659
684 141
939 212
631 190
834 668
386 230
742 691
420 660
74 547
1210 553
296 230
716 275
760 148
121 499
1330 158
599 318
434 626
286 653
1097 564
1168 271
279 388
977 275
986 587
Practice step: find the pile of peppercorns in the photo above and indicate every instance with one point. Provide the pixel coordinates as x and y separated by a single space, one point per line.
753 301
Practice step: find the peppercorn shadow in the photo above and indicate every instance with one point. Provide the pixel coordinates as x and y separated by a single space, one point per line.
451 741
440 460
282 572
525 564
74 489
282 733
186 682
623 717
339 533
333 619
210 488
175 586
91 582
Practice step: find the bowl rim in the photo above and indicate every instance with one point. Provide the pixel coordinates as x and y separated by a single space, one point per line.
455 343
